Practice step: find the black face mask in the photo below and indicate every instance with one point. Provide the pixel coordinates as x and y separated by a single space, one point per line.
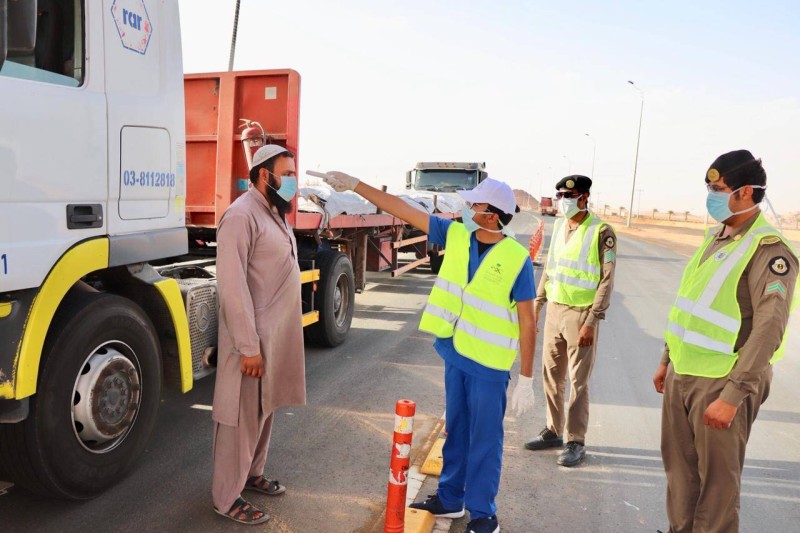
281 204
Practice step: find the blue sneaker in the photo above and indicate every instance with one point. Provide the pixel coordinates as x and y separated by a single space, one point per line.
434 506
488 524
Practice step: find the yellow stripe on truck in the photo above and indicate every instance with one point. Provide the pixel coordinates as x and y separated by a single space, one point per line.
5 309
78 261
171 292
307 276
311 317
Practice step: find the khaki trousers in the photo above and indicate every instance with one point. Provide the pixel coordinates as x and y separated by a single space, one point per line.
240 452
704 465
561 355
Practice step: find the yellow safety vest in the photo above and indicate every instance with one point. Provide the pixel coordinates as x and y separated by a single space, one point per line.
479 315
705 320
573 267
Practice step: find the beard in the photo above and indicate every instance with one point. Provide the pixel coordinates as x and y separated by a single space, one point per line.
280 204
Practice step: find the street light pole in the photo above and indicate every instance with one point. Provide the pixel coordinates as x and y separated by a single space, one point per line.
636 161
233 37
594 152
639 204
569 165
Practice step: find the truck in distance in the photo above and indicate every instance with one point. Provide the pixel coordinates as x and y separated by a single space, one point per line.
547 206
445 176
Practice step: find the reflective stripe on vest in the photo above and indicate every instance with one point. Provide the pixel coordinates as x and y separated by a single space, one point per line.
479 315
705 318
573 272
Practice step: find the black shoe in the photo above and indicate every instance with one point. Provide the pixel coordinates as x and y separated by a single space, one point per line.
434 506
572 454
483 525
546 439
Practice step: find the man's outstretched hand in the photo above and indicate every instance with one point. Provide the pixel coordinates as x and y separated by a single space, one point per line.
340 181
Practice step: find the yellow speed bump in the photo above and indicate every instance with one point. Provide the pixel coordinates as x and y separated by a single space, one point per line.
417 521
434 462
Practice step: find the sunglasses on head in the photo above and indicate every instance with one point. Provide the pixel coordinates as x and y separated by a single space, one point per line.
567 194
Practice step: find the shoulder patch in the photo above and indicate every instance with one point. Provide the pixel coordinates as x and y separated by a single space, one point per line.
609 242
776 287
770 239
779 265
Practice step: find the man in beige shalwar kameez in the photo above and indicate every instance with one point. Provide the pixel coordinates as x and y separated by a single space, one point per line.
261 364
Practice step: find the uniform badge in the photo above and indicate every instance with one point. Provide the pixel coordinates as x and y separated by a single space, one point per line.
609 242
721 255
713 175
570 184
777 288
779 265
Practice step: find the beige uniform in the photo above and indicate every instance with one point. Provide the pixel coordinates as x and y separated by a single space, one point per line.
260 312
561 354
704 465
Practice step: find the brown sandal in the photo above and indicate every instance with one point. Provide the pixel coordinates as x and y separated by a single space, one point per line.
264 486
243 512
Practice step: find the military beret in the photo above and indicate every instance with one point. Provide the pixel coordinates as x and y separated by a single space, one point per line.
575 182
732 162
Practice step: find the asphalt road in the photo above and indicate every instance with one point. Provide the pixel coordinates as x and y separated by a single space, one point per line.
333 454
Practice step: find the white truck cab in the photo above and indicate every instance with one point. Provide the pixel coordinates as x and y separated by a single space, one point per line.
92 190
92 142
445 177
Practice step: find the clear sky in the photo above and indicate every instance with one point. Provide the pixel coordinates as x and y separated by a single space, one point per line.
518 84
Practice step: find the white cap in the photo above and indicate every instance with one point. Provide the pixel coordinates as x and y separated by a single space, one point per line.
493 192
267 152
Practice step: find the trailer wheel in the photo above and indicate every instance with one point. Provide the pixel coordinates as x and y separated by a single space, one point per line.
96 403
335 299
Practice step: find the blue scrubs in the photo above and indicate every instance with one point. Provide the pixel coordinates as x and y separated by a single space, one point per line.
475 398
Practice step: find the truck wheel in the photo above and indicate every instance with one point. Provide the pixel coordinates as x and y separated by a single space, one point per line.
96 403
436 262
335 299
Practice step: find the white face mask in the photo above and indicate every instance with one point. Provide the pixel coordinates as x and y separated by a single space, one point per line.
467 214
569 206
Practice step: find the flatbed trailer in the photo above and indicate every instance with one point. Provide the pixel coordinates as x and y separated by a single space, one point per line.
217 104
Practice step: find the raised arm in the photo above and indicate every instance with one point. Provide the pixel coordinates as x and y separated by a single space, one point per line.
388 202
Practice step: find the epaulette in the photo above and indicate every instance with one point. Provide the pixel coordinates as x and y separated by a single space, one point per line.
770 239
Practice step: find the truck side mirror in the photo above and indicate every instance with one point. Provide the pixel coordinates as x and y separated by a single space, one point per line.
408 179
3 31
482 175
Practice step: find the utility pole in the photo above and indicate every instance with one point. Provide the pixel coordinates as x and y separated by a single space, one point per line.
639 204
636 161
594 152
233 37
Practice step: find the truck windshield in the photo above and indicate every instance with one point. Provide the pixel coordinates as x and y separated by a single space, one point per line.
445 180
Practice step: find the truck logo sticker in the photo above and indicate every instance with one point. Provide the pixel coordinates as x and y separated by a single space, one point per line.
133 24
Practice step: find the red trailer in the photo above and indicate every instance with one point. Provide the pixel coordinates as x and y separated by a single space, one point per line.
336 253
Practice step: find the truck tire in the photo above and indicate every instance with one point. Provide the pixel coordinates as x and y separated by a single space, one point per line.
334 299
97 398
